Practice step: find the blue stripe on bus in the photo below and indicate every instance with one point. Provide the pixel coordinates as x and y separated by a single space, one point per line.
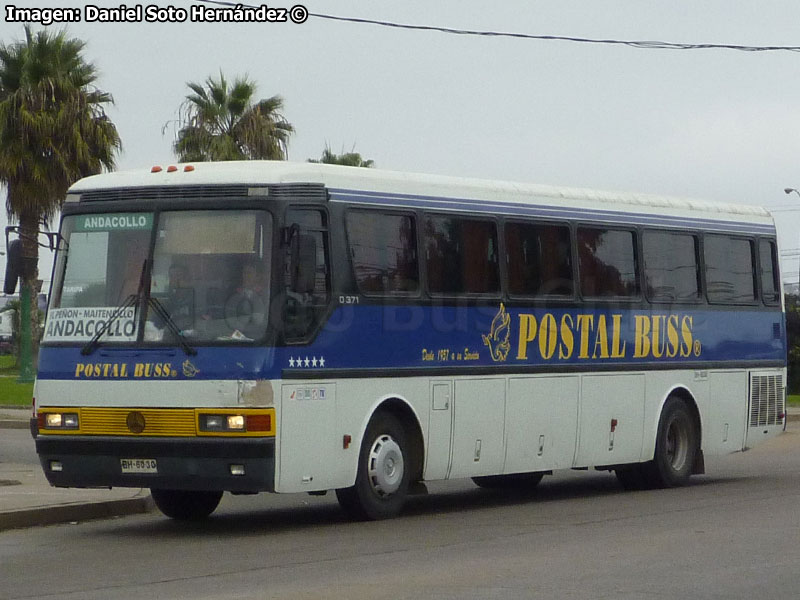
408 337
546 211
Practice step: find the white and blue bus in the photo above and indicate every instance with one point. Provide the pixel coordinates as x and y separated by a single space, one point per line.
279 327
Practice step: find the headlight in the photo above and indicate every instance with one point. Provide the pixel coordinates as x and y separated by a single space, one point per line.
58 420
244 423
222 423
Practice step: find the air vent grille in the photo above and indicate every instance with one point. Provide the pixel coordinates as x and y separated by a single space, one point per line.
766 400
300 191
165 193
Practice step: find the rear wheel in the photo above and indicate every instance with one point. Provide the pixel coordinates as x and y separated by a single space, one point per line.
515 481
383 473
677 445
184 505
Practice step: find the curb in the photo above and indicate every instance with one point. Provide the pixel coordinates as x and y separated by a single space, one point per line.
66 513
14 424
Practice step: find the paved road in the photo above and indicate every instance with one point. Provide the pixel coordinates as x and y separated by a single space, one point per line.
17 446
731 534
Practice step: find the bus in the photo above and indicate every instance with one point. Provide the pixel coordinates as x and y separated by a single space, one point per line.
265 326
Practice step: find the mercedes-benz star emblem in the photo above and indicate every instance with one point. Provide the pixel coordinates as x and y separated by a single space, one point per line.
135 422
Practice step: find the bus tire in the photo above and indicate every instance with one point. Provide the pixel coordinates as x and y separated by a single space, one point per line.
515 481
384 470
183 505
677 444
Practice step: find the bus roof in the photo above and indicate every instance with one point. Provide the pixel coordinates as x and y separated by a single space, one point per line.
337 177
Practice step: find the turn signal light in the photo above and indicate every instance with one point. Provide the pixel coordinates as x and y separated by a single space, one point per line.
259 423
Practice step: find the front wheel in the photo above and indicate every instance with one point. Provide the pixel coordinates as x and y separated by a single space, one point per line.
383 472
184 505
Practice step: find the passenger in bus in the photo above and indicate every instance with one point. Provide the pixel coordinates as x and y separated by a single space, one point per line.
179 302
246 309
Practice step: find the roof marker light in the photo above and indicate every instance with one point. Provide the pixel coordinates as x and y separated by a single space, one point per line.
188 168
172 169
156 169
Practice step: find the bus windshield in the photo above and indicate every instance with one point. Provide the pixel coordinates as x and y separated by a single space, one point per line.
209 277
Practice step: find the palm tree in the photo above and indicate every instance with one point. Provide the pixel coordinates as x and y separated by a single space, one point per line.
53 131
221 122
348 159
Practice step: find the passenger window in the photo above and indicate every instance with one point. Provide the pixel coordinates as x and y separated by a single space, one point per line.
770 284
383 248
539 259
671 269
730 269
607 262
461 255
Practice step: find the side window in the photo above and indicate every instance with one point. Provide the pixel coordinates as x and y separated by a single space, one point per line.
461 255
730 269
770 284
383 248
539 259
671 269
607 262
307 278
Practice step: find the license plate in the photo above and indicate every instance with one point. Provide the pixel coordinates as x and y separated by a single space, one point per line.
138 465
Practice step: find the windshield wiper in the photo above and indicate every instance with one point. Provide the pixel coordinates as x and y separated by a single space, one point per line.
92 344
170 323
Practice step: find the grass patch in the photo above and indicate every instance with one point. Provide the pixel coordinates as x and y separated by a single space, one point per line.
13 393
7 364
794 400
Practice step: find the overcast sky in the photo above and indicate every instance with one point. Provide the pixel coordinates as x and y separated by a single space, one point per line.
715 124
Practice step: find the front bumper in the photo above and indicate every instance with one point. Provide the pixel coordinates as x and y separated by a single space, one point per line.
183 464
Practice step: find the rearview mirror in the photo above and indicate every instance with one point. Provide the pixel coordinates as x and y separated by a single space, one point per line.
13 266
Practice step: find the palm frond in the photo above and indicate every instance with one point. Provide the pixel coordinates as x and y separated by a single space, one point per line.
220 121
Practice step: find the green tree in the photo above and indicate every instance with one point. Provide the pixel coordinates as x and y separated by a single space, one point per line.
348 159
793 342
53 131
219 121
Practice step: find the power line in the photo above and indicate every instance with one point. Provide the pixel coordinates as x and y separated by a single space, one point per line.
641 44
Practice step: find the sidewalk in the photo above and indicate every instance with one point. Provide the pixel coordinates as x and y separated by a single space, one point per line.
28 500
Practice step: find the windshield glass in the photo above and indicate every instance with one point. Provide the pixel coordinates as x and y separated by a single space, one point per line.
210 275
99 269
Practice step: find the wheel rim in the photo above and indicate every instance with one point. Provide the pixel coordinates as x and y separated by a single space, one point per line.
677 444
386 466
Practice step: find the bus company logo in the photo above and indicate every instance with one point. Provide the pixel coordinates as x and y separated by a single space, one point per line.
189 370
135 422
109 370
498 339
597 336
